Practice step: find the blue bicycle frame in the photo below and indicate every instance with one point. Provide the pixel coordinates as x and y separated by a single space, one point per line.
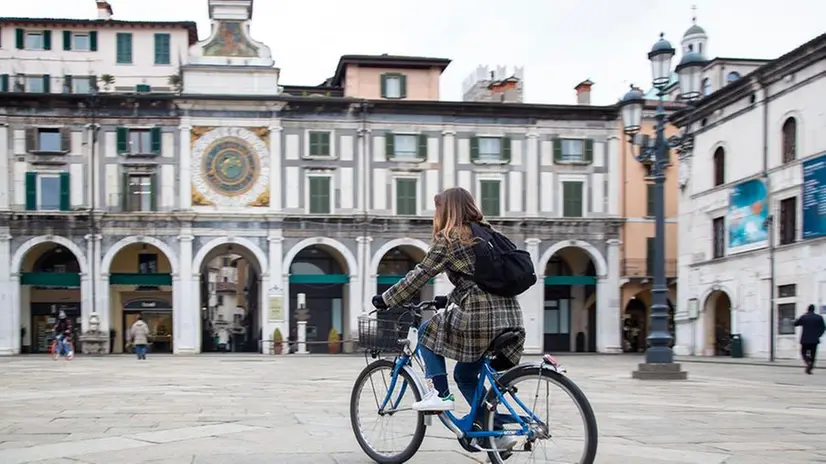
463 427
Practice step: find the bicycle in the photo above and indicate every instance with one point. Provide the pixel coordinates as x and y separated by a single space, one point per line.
377 336
56 352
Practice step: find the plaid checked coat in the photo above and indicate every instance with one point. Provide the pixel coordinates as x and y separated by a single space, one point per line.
473 317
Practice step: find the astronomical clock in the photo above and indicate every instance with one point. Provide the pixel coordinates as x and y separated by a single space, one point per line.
230 167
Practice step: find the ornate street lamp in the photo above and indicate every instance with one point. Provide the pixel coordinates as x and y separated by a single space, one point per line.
659 358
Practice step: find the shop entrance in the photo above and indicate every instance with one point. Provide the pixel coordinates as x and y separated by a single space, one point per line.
717 315
570 290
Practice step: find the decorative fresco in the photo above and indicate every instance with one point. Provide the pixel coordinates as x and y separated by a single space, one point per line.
230 41
230 167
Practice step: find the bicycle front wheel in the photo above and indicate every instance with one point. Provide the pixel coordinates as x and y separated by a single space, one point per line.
374 414
562 424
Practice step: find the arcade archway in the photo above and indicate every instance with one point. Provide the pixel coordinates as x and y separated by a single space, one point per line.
140 283
319 295
49 283
636 319
569 315
230 300
717 316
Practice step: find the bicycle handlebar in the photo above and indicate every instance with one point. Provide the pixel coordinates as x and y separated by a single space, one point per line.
417 307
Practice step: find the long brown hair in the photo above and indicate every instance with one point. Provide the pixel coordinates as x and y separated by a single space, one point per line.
455 210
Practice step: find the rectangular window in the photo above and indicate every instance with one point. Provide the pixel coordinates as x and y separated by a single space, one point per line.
649 195
81 42
572 199
719 237
406 198
405 146
319 144
48 192
81 84
123 44
35 84
786 313
162 55
557 317
140 141
140 193
393 86
147 263
49 140
650 253
788 221
319 195
35 40
489 194
787 291
573 150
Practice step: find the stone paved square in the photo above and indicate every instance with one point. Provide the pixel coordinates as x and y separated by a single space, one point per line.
291 409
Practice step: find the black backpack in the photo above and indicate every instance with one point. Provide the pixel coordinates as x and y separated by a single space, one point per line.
501 268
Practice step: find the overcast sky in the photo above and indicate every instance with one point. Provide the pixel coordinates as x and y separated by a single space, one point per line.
559 42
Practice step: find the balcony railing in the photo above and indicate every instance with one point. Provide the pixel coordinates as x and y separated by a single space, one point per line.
643 268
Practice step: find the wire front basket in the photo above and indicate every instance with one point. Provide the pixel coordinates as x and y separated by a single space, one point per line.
382 333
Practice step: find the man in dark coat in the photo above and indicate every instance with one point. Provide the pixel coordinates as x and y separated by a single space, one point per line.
813 328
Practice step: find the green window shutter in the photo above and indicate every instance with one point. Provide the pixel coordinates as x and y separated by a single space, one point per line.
31 191
402 86
490 197
47 83
21 39
588 150
67 84
506 149
474 149
47 40
65 187
384 86
67 40
572 199
314 145
325 144
93 41
4 83
123 140
649 192
649 256
155 136
319 195
124 48
125 192
406 197
557 150
162 49
389 145
153 192
422 148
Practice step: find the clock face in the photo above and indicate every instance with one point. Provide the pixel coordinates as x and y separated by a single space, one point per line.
230 166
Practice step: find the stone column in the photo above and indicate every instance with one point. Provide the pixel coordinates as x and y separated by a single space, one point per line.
275 174
275 293
532 176
301 327
5 185
609 324
615 176
14 328
187 311
185 155
86 309
95 294
8 306
532 303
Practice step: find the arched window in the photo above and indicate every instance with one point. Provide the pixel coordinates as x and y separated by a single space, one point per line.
733 76
719 166
789 140
706 86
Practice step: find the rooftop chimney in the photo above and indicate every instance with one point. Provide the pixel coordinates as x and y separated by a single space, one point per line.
104 10
583 92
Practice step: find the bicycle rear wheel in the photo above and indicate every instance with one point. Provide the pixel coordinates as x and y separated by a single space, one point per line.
558 436
367 397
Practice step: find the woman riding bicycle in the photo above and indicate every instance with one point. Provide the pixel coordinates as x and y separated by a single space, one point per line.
473 317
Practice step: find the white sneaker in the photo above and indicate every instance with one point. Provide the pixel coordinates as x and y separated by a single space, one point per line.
433 402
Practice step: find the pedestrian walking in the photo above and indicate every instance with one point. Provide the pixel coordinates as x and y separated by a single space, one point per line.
813 328
140 337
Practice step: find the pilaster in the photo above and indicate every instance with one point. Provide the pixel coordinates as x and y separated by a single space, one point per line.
7 181
273 314
609 323
275 170
9 306
532 176
364 179
448 159
532 303
187 311
94 288
362 282
615 177
185 155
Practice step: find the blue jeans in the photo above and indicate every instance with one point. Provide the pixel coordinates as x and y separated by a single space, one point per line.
140 351
62 345
465 374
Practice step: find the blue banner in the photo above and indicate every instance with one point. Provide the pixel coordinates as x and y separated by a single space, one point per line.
814 197
748 210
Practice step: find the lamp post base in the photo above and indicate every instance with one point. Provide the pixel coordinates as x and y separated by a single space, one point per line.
659 371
